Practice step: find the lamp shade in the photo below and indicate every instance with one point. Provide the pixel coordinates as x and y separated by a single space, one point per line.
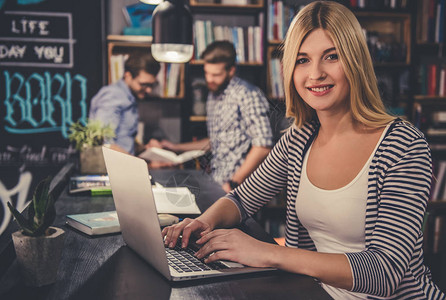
172 32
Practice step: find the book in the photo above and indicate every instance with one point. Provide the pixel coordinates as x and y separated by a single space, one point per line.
107 222
94 183
95 223
138 14
163 155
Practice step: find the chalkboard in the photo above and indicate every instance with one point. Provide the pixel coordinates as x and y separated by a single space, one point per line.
52 55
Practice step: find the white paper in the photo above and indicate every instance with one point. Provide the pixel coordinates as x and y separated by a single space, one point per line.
175 200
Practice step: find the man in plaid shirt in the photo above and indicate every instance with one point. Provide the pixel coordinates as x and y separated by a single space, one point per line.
239 130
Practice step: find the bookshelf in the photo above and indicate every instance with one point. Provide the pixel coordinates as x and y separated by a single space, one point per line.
160 112
243 24
429 114
255 4
170 78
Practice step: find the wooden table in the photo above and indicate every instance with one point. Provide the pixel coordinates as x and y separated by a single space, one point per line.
104 268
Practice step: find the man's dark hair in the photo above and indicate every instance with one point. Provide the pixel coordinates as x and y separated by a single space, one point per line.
141 61
220 52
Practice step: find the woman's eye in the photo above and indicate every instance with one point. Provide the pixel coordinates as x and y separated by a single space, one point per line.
332 57
301 61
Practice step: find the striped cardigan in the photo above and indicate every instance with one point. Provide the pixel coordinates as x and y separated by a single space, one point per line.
398 190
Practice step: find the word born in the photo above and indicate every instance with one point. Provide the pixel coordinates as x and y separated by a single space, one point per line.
32 103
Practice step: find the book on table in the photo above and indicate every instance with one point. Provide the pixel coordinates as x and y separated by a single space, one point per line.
85 183
169 200
107 222
163 155
95 223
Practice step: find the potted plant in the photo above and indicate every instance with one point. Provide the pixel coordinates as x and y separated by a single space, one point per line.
88 140
38 245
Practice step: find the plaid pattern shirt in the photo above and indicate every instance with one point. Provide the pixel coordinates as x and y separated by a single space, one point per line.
237 119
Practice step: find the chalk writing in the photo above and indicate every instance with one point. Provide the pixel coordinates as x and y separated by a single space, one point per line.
49 53
31 102
21 189
31 26
12 51
26 155
37 39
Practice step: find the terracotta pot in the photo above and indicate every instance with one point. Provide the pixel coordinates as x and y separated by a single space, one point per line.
38 257
92 160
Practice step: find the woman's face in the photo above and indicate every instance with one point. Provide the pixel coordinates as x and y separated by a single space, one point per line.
319 77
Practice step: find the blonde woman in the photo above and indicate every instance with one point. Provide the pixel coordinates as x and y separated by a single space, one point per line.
357 178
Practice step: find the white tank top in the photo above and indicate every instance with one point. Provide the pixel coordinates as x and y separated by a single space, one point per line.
335 219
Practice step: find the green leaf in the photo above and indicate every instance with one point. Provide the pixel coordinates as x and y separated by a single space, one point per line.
50 211
21 220
93 133
40 200
31 212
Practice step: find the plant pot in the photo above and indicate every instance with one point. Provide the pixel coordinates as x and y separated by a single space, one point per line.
92 160
38 257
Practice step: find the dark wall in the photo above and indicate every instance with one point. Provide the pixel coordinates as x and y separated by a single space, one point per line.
51 64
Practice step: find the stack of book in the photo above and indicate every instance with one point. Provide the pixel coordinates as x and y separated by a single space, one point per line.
276 78
280 16
168 77
432 78
168 80
247 40
431 21
94 184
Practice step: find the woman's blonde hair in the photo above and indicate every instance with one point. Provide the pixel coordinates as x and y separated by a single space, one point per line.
344 30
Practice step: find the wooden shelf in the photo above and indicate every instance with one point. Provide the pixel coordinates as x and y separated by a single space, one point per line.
199 62
197 118
391 64
275 42
382 14
130 38
396 25
429 99
196 4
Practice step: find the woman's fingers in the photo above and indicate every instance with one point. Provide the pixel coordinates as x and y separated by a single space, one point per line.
185 229
172 233
233 245
216 240
195 226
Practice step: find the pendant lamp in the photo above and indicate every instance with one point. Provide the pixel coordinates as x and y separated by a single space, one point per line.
172 32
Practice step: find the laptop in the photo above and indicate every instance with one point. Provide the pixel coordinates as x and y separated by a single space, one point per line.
140 227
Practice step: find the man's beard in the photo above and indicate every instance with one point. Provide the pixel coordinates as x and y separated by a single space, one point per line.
138 95
219 89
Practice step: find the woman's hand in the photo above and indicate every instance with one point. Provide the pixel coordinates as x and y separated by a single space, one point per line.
234 245
184 228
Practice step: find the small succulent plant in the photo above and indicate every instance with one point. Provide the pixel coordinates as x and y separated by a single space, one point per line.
94 133
41 212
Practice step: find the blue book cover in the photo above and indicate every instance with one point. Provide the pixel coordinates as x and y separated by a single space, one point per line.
95 223
139 14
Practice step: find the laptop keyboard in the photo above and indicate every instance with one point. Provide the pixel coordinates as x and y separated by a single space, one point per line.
183 261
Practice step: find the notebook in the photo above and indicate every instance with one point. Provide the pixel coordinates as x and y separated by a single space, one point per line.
141 231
